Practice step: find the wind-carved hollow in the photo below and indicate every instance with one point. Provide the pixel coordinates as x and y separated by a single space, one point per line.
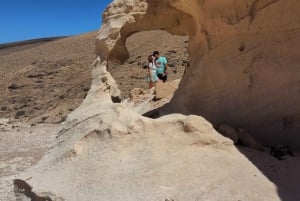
244 64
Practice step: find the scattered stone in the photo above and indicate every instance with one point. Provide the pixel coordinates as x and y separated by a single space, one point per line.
39 75
86 89
36 108
185 62
44 118
3 108
280 152
20 113
4 124
229 132
172 51
63 119
13 87
248 140
240 136
62 97
23 106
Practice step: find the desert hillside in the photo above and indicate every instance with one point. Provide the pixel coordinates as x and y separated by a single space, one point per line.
43 81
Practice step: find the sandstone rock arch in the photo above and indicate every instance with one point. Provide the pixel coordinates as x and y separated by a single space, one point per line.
142 16
108 152
245 66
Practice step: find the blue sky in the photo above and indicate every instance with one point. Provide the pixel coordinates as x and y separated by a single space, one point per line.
28 19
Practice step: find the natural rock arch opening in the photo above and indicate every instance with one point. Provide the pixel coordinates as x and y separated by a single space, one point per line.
131 75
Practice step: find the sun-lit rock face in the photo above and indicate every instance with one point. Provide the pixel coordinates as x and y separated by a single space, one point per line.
244 72
106 151
124 18
244 59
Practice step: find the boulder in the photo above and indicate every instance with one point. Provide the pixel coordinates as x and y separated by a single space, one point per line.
248 140
229 132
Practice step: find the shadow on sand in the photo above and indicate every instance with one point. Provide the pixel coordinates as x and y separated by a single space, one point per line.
285 174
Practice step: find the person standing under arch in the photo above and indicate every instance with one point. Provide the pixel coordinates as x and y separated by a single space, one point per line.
162 66
152 76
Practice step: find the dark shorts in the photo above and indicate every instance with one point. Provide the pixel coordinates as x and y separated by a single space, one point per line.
162 77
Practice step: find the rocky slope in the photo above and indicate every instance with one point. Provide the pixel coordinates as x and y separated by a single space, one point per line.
43 81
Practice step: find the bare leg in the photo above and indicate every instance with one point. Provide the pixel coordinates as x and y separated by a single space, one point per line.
150 85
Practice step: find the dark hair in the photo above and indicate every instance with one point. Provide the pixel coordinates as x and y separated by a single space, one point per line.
155 53
150 58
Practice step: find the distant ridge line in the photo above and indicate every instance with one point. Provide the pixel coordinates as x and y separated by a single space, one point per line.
31 41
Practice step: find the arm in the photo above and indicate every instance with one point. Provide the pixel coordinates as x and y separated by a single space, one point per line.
166 67
149 69
166 64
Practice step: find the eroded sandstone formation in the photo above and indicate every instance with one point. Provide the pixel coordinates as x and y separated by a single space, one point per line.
244 59
238 50
106 151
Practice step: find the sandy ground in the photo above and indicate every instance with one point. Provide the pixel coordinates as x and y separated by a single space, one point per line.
21 146
283 173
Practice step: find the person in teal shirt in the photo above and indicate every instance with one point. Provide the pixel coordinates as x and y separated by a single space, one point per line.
162 66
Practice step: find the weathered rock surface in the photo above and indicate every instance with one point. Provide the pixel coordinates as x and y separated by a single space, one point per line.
245 71
244 59
106 151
